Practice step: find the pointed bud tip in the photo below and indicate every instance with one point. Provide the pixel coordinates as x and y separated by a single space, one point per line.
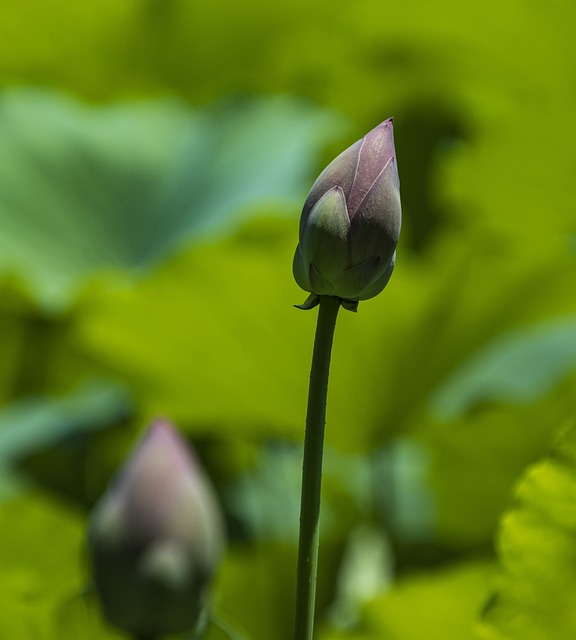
163 434
162 428
385 124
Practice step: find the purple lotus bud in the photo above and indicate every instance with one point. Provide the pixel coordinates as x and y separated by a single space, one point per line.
155 538
350 222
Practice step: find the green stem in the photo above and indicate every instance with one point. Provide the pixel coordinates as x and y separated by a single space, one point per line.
312 469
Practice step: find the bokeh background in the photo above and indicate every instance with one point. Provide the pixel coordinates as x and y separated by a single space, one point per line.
154 156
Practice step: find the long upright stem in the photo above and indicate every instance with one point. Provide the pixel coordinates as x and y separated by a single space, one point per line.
312 469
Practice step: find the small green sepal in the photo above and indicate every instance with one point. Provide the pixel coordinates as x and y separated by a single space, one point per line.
350 305
311 301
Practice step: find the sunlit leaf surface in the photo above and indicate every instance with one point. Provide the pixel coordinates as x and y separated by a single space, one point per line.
537 550
435 605
39 536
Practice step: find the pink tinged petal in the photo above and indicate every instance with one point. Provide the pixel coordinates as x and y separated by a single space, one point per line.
375 228
339 173
376 151
158 478
161 494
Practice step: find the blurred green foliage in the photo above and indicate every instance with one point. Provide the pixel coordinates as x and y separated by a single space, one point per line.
153 159
536 587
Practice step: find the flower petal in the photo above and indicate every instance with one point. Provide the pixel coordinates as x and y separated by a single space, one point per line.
324 239
339 173
375 153
378 285
375 228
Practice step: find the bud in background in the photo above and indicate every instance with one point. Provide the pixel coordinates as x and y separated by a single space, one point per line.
350 223
155 538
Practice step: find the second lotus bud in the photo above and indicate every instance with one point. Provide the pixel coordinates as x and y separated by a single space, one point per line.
155 539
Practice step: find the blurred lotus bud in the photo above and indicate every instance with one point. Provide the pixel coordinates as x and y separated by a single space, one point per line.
350 222
155 538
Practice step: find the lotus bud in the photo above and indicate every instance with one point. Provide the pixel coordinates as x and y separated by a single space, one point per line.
155 539
350 223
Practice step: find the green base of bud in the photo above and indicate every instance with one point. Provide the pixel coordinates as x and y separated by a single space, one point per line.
313 300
